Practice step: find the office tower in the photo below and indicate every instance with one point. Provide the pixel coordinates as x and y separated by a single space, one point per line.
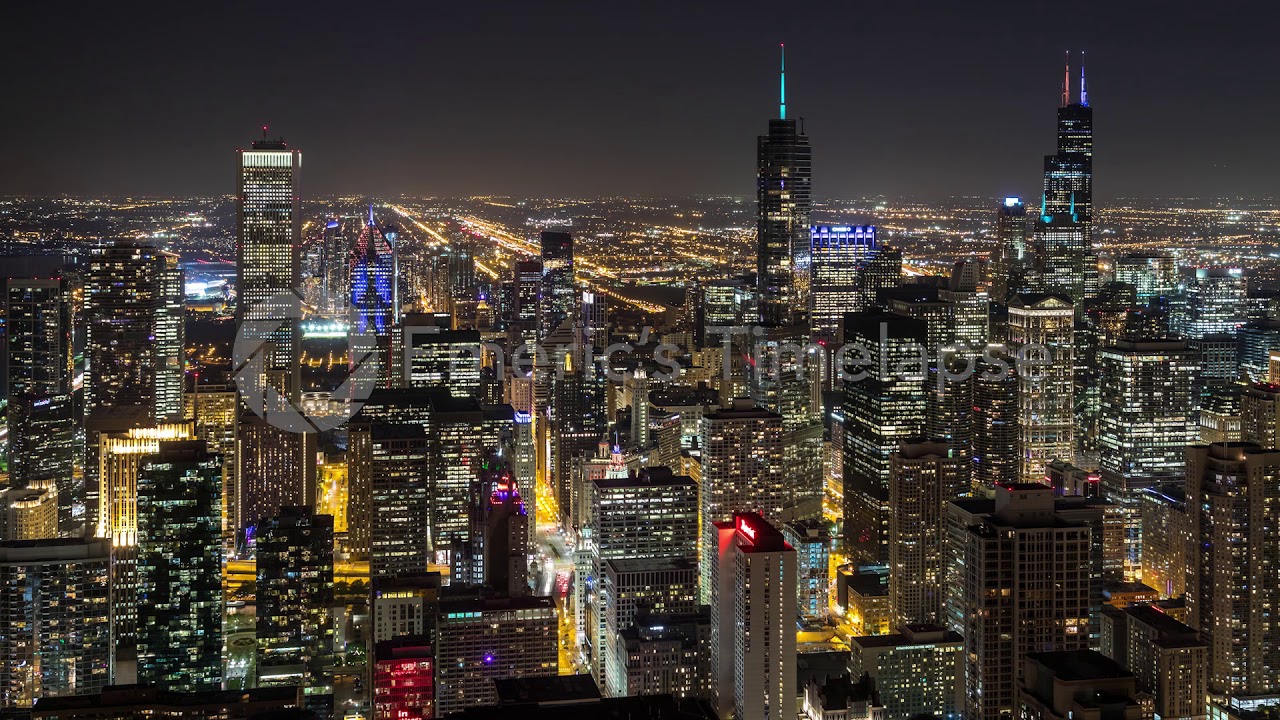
400 504
275 468
557 294
811 539
884 404
1166 539
917 672
637 387
121 453
594 311
1062 253
783 177
403 683
374 300
180 568
923 478
1012 256
651 516
481 640
294 590
133 299
404 605
268 242
1005 613
724 304
528 286
55 608
1215 302
1068 174
38 362
215 411
841 257
1169 659
29 513
1219 358
1077 683
753 640
442 358
569 395
636 587
334 272
1257 338
1041 332
840 698
970 306
741 470
1146 421
1153 275
994 431
668 655
1232 492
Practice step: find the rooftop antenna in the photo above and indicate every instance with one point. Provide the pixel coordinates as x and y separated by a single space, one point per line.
264 132
1084 95
782 83
1066 82
371 214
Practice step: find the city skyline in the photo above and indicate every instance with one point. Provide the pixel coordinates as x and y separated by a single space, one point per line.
587 101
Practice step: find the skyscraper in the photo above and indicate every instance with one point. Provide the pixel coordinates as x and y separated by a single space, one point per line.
400 505
134 335
55 608
1012 256
294 589
268 240
373 277
1068 174
783 174
1041 330
275 468
753 605
558 296
1233 492
741 471
636 587
38 315
180 568
403 679
841 259
1009 557
923 478
884 404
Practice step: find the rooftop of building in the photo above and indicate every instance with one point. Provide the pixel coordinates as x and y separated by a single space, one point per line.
1079 665
839 692
471 599
910 635
648 707
404 647
742 409
132 695
1172 633
555 690
636 565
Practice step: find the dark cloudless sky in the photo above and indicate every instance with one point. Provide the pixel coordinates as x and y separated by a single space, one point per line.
900 97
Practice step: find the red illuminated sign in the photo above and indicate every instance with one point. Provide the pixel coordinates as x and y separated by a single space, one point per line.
746 529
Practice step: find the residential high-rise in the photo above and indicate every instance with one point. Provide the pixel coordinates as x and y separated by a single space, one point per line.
294 590
1147 419
1041 331
783 177
403 679
918 672
180 568
741 471
133 305
275 468
38 362
1169 659
1009 558
1233 497
1166 539
1012 256
558 290
668 654
753 604
994 430
923 478
215 411
479 640
268 245
400 504
374 300
29 513
884 404
55 609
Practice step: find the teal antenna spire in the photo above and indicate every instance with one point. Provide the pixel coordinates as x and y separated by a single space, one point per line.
1084 94
782 83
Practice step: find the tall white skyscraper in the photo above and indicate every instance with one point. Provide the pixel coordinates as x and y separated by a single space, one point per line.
268 238
1041 330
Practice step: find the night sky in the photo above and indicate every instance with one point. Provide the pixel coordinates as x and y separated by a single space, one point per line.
914 99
